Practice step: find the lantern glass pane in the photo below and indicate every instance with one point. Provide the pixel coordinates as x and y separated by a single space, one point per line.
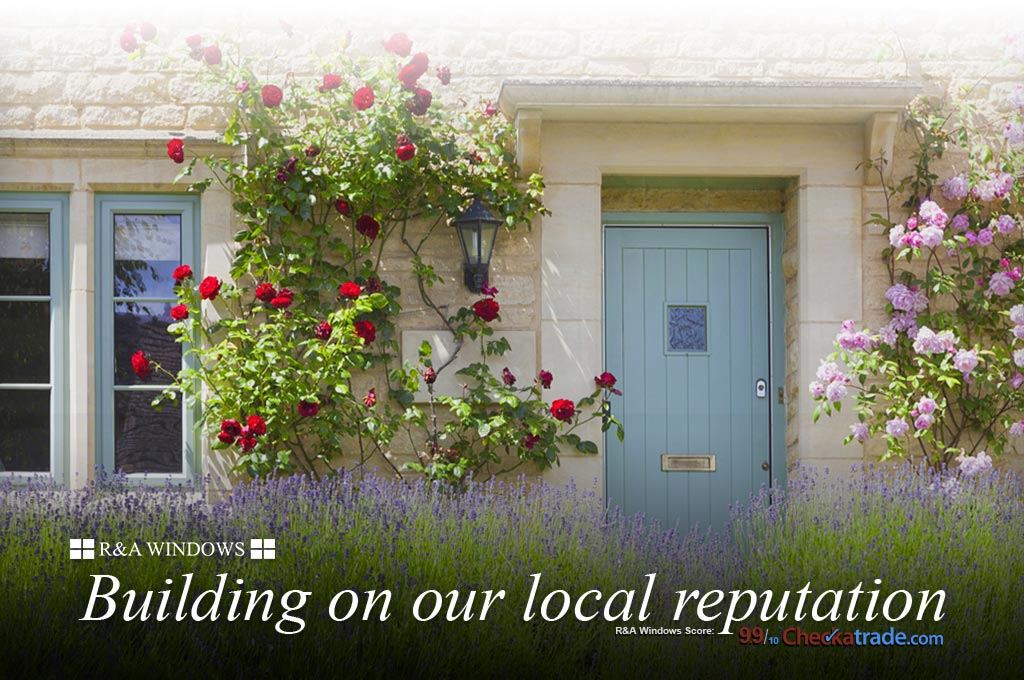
487 232
471 242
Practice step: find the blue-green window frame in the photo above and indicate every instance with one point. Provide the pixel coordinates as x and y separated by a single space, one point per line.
56 205
156 204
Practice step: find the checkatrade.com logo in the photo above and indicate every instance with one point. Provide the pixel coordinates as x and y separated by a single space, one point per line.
91 549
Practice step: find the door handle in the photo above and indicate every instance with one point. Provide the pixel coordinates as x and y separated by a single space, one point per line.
765 466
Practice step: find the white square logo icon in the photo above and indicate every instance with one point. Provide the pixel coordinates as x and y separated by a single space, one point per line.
263 548
83 548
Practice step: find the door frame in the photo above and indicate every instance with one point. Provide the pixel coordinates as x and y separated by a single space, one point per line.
773 222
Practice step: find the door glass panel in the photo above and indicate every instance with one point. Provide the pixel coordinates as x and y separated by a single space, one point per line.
25 342
24 254
24 430
143 326
146 440
147 248
687 328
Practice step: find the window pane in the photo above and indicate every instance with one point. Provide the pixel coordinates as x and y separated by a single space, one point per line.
24 254
24 430
144 326
687 328
147 248
24 342
146 440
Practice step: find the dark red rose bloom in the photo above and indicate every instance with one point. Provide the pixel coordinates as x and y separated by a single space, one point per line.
342 206
209 289
231 427
194 40
606 381
256 425
366 330
370 400
265 292
402 139
308 409
247 443
283 299
372 285
147 31
430 375
211 55
272 96
474 158
140 364
490 109
450 455
486 309
405 152
226 438
488 290
530 439
323 331
399 44
242 87
176 150
350 290
412 71
128 42
507 377
312 151
281 176
563 409
182 272
291 165
368 227
179 312
420 102
545 378
444 74
363 98
331 81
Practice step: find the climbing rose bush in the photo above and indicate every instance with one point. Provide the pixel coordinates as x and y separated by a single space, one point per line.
296 356
941 378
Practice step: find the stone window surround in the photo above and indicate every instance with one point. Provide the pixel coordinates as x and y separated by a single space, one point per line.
819 133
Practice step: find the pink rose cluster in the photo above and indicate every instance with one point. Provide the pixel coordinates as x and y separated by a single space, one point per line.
930 342
831 383
974 465
926 229
853 340
923 413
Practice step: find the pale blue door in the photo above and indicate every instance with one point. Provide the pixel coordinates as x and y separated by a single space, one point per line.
686 329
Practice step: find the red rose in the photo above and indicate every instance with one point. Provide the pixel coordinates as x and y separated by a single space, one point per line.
530 439
212 55
291 164
402 139
368 227
563 409
181 273
545 378
363 98
366 330
420 102
128 42
444 74
281 176
331 82
490 109
412 71
342 206
323 331
486 309
350 290
606 381
226 438
312 151
209 289
372 285
488 290
140 364
370 400
231 427
272 96
247 443
256 425
194 40
507 377
283 300
308 409
176 150
179 312
399 44
147 31
430 375
405 152
265 292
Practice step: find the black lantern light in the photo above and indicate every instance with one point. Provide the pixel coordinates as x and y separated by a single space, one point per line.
477 229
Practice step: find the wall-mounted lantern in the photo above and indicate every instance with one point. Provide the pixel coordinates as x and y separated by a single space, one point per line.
477 229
